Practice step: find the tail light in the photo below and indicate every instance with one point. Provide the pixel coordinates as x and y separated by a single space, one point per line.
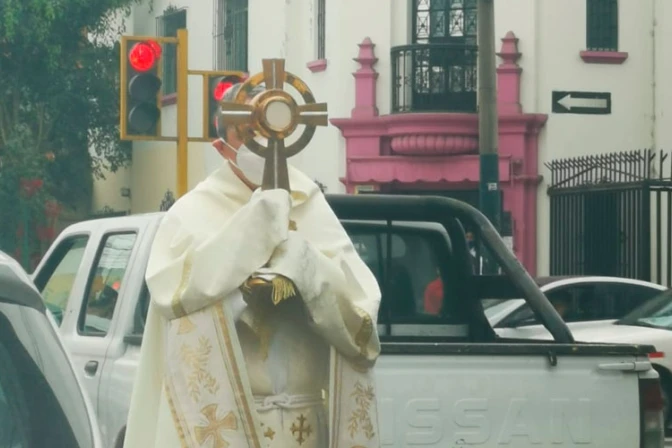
652 428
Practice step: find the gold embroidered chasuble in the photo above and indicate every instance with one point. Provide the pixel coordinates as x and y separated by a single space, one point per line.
218 370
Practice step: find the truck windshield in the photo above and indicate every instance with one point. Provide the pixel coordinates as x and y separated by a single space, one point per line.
656 313
41 403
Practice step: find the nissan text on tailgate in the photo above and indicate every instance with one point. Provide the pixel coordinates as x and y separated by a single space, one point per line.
444 378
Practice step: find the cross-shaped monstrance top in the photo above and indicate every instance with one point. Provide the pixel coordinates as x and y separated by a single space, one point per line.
274 115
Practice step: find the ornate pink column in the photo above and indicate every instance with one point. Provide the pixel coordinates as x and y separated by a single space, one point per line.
365 82
518 137
508 76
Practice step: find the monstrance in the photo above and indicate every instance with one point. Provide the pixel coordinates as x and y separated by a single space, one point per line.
274 115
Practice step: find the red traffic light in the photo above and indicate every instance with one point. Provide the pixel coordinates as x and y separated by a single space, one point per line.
144 55
156 47
220 89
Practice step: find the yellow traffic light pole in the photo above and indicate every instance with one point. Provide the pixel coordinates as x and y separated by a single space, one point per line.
182 112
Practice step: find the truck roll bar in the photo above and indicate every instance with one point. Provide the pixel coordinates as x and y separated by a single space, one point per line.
376 207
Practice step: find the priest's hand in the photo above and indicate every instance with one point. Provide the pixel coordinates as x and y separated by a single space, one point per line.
276 198
268 290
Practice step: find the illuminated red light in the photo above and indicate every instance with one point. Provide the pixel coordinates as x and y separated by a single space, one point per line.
142 57
155 47
220 89
657 355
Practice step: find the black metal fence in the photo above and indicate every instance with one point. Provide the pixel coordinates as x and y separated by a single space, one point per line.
434 78
611 214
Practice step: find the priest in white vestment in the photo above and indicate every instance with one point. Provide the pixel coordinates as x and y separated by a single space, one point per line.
261 330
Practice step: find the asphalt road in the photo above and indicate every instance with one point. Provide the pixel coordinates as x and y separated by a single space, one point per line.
668 442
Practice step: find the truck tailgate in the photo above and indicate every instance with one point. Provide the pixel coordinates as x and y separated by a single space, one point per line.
517 400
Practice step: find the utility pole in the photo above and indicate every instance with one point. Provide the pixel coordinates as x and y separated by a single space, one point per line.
488 126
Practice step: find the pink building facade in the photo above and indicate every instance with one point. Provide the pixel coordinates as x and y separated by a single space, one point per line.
438 151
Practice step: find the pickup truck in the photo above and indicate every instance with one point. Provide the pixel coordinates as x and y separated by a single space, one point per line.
444 379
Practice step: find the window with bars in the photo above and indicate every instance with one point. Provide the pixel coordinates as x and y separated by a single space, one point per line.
445 21
321 27
168 24
438 71
602 25
230 34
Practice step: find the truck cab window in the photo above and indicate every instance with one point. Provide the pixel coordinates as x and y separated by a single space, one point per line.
105 283
57 278
411 280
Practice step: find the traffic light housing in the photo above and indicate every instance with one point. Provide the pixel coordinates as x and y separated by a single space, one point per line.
216 84
140 94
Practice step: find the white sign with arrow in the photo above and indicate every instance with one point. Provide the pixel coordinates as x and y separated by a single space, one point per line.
587 103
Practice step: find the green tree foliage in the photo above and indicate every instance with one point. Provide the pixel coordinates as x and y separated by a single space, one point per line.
59 98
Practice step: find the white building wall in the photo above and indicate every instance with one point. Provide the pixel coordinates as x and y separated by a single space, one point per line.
551 33
289 30
551 38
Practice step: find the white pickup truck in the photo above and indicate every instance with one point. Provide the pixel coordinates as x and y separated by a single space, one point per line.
444 378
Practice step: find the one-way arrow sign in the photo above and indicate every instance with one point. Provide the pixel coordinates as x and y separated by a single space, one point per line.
588 103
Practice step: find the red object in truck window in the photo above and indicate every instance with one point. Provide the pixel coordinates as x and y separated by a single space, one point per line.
434 296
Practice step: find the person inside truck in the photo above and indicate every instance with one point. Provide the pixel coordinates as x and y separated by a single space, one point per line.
103 303
476 260
562 302
433 297
262 323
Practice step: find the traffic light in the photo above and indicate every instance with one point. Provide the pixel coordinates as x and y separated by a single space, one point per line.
217 84
140 100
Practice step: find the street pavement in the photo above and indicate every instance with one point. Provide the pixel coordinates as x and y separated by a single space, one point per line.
668 442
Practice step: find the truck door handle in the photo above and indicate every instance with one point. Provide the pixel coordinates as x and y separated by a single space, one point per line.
91 367
636 366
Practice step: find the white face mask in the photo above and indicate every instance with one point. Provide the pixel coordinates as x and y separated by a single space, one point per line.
250 164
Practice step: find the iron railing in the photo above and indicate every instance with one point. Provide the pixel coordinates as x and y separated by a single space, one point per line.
434 78
445 21
602 25
611 214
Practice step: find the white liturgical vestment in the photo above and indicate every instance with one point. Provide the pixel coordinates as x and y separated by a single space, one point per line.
219 369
